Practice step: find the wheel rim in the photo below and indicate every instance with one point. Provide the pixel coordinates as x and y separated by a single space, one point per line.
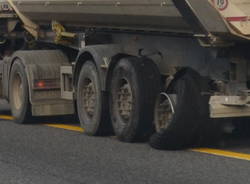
17 91
89 97
164 112
124 100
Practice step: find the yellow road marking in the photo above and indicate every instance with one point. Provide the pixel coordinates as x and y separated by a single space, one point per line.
66 127
62 126
5 117
229 154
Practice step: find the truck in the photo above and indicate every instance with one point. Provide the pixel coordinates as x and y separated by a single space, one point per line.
171 72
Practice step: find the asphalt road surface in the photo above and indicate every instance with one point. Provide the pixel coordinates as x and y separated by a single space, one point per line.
42 154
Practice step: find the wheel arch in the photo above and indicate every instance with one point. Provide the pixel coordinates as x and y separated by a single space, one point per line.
82 58
43 65
115 59
103 58
38 68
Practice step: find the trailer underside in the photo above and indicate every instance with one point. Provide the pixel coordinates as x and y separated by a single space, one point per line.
174 71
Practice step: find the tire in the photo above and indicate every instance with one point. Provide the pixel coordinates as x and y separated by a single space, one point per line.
191 112
19 94
133 89
93 114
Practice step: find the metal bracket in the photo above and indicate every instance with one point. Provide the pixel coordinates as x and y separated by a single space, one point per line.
62 37
66 82
229 106
212 41
29 25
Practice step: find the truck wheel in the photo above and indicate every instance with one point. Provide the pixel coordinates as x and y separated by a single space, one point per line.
134 86
93 114
19 94
181 112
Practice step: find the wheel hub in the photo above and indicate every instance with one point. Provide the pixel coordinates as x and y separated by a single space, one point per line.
124 100
164 112
89 97
18 91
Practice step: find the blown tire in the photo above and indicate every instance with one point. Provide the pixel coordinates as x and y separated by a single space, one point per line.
191 112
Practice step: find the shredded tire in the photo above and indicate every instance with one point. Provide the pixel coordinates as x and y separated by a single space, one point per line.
191 113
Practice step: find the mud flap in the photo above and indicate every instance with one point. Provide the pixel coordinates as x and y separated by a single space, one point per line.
43 73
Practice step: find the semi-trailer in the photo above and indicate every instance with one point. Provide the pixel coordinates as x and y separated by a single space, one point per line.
167 71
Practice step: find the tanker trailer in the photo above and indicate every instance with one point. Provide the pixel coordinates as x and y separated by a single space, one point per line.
167 71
